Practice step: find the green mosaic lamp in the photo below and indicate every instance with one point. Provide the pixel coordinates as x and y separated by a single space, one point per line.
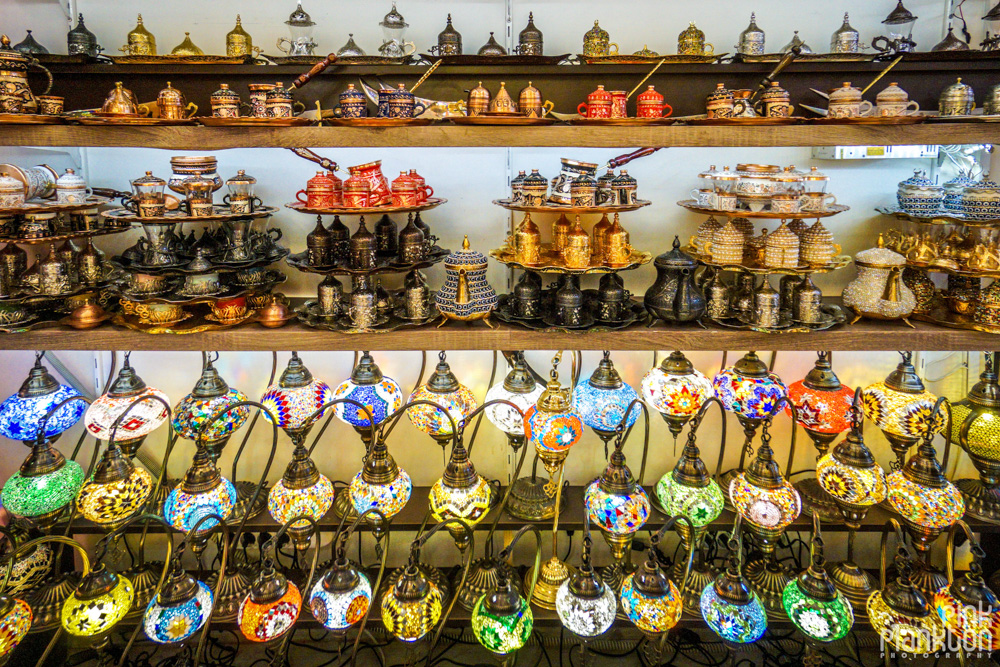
502 619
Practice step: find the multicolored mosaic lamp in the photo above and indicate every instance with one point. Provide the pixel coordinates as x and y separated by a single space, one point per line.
369 387
380 485
967 606
767 502
21 414
101 599
179 610
342 596
601 401
295 398
855 482
552 427
676 390
823 405
15 621
898 611
302 490
927 502
211 395
202 493
619 506
271 607
502 619
461 493
975 427
442 389
116 492
730 608
812 601
901 407
29 566
585 604
143 418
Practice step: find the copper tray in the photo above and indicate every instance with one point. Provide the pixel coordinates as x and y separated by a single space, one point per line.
551 262
349 60
871 120
189 324
803 269
64 235
178 60
940 315
378 122
221 214
36 206
61 58
615 122
29 119
566 208
501 120
626 59
248 121
808 57
746 122
477 60
832 209
433 202
129 120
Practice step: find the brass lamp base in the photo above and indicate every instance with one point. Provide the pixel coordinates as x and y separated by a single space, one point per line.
614 575
431 573
651 649
554 573
768 578
927 579
483 576
47 601
530 501
244 494
343 507
816 500
981 501
162 493
856 584
144 579
231 591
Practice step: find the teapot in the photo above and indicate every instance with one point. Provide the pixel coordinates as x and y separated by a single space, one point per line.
466 294
15 94
879 292
675 297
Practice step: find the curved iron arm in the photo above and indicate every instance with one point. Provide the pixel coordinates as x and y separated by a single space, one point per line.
386 426
318 414
623 433
475 429
508 550
974 547
283 647
902 549
654 540
253 421
929 435
506 497
59 539
44 422
6 532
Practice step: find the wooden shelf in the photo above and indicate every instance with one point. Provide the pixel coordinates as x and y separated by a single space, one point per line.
446 134
864 336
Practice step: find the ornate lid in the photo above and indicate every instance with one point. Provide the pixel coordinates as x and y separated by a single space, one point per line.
149 179
775 91
950 43
958 91
846 30
502 102
728 234
877 257
350 49
726 175
480 92
9 55
677 259
649 95
691 34
963 180
597 33
816 234
530 34
534 179
71 180
449 35
789 175
892 93
710 226
646 52
9 184
237 30
796 41
529 95
984 185
80 34
465 258
720 93
139 33
299 18
225 92
241 178
585 181
170 95
846 93
752 32
991 295
29 46
394 19
899 15
918 180
624 180
815 174
492 48
186 48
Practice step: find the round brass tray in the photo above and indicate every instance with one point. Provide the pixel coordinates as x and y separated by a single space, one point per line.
65 235
378 122
169 59
180 269
38 320
964 273
626 59
300 262
941 218
561 208
622 122
433 202
221 214
249 121
838 263
506 256
128 120
341 323
43 206
833 315
501 120
832 209
504 313
189 324
870 120
940 314
808 57
756 121
29 119
970 118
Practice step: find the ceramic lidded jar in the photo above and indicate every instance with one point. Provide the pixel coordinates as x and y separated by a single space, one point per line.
776 102
958 99
919 195
981 201
847 102
225 102
466 294
71 188
879 292
675 297
719 103
953 190
11 191
894 101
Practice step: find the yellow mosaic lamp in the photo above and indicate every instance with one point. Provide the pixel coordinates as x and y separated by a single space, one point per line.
461 493
975 427
101 599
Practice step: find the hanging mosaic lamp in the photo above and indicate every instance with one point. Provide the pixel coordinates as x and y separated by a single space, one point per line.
676 390
975 426
520 388
15 621
502 620
210 396
649 599
442 389
901 407
812 601
21 414
202 492
43 487
823 406
179 610
144 418
302 490
116 492
413 606
602 400
461 493
341 597
271 607
585 604
380 485
728 605
855 482
967 606
619 507
369 387
31 567
768 503
101 599
295 398
749 390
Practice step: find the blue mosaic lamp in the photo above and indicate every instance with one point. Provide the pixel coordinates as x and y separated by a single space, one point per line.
369 387
341 597
380 485
179 610
729 607
749 390
602 400
295 398
203 492
21 414
211 394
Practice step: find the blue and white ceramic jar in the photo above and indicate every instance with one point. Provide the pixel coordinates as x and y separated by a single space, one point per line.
466 295
953 191
981 201
919 195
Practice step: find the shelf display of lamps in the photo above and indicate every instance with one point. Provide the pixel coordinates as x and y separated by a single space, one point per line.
901 407
823 405
856 482
927 502
601 401
552 427
975 427
444 390
729 606
676 390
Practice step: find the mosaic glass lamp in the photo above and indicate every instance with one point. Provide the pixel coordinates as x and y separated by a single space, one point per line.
179 610
15 621
211 395
202 492
414 603
928 504
442 389
617 505
21 414
43 487
676 390
461 493
899 612
585 604
380 485
901 407
823 406
602 400
144 418
648 598
855 482
341 597
116 492
101 599
502 619
369 387
975 427
271 607
812 601
29 567
295 398
767 502
302 490
967 606
728 605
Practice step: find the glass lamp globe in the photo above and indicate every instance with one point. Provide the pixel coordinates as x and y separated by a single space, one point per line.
142 419
601 402
202 492
211 395
934 508
21 414
749 390
552 426
15 621
380 394
967 606
901 616
742 622
586 606
412 607
31 568
44 486
101 599
676 390
653 604
341 598
520 388
444 390
502 621
822 620
975 427
116 492
901 407
702 505
381 484
302 490
179 610
295 397
770 508
823 404
461 494
271 607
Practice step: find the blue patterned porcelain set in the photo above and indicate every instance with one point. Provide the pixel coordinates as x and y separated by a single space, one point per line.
963 196
919 195
392 103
